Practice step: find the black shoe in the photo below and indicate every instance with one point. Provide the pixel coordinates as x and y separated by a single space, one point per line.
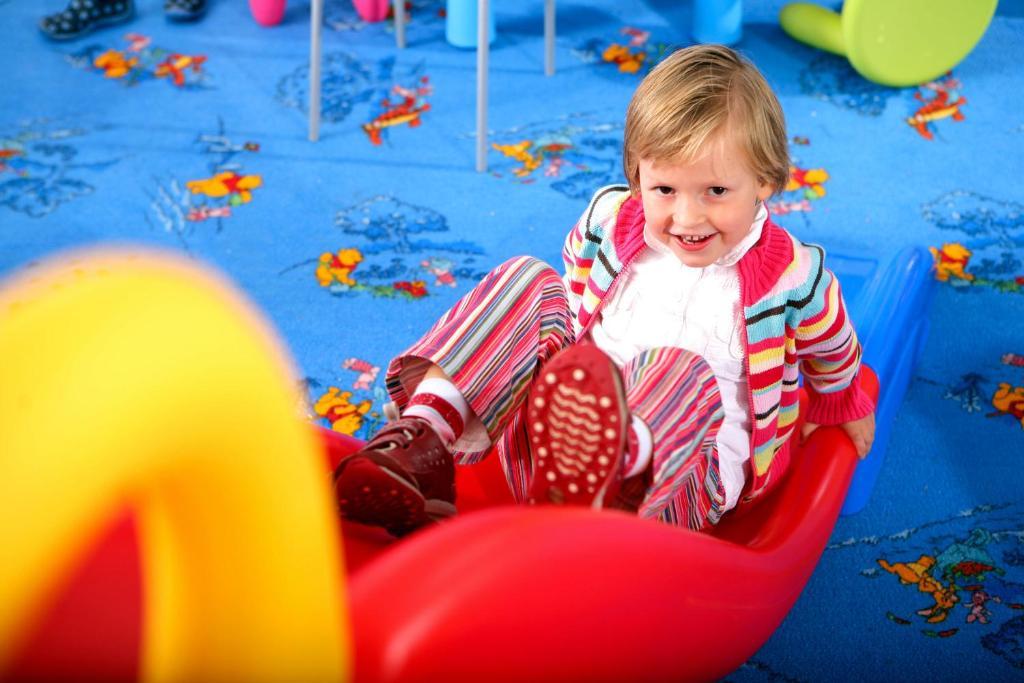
85 16
184 10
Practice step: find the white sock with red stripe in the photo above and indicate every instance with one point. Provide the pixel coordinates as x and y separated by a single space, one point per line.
440 404
639 447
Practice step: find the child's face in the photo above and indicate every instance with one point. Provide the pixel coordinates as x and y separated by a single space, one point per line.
701 209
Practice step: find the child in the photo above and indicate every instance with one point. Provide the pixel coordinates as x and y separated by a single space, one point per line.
660 375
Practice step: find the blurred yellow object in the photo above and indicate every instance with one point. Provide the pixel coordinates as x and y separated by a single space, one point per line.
137 378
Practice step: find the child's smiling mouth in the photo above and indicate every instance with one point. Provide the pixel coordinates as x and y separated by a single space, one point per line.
693 242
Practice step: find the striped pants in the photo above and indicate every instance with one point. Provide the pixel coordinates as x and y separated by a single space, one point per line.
494 341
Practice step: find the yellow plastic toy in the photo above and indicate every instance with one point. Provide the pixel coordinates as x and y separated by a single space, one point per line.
893 42
240 556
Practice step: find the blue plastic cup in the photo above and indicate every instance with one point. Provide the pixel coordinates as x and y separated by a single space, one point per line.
460 25
717 21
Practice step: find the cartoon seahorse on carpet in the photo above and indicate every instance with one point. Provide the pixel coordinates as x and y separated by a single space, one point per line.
409 111
176 65
941 106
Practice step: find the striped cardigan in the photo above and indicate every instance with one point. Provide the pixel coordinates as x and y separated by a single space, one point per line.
795 321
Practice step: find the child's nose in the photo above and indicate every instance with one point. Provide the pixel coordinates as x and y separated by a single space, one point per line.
687 213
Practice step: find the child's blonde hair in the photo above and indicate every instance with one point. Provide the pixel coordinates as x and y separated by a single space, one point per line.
689 98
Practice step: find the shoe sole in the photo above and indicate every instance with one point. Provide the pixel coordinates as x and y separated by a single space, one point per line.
438 509
578 421
93 26
370 494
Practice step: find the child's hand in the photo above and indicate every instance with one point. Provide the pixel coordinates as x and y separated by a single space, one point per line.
861 432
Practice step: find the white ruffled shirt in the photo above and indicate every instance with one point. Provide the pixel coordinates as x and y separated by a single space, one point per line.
663 302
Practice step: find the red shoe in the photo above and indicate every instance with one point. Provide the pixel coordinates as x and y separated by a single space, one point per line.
577 419
633 489
632 492
402 479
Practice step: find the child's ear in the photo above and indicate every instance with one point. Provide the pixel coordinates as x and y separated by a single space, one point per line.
764 191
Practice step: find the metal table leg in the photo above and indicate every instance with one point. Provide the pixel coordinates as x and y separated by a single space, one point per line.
399 6
483 49
482 54
316 20
549 37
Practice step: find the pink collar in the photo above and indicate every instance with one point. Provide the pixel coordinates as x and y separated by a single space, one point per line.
760 268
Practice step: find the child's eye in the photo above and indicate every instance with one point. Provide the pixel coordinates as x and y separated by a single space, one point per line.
664 190
717 191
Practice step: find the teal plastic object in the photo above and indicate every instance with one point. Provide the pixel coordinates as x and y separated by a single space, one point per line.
889 304
718 21
460 27
893 42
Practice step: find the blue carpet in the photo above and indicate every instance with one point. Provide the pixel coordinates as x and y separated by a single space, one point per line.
217 166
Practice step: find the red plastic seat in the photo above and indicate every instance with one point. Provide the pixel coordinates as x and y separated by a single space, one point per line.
555 594
510 593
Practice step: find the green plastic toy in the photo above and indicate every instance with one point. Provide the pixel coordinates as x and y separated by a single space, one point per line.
893 42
